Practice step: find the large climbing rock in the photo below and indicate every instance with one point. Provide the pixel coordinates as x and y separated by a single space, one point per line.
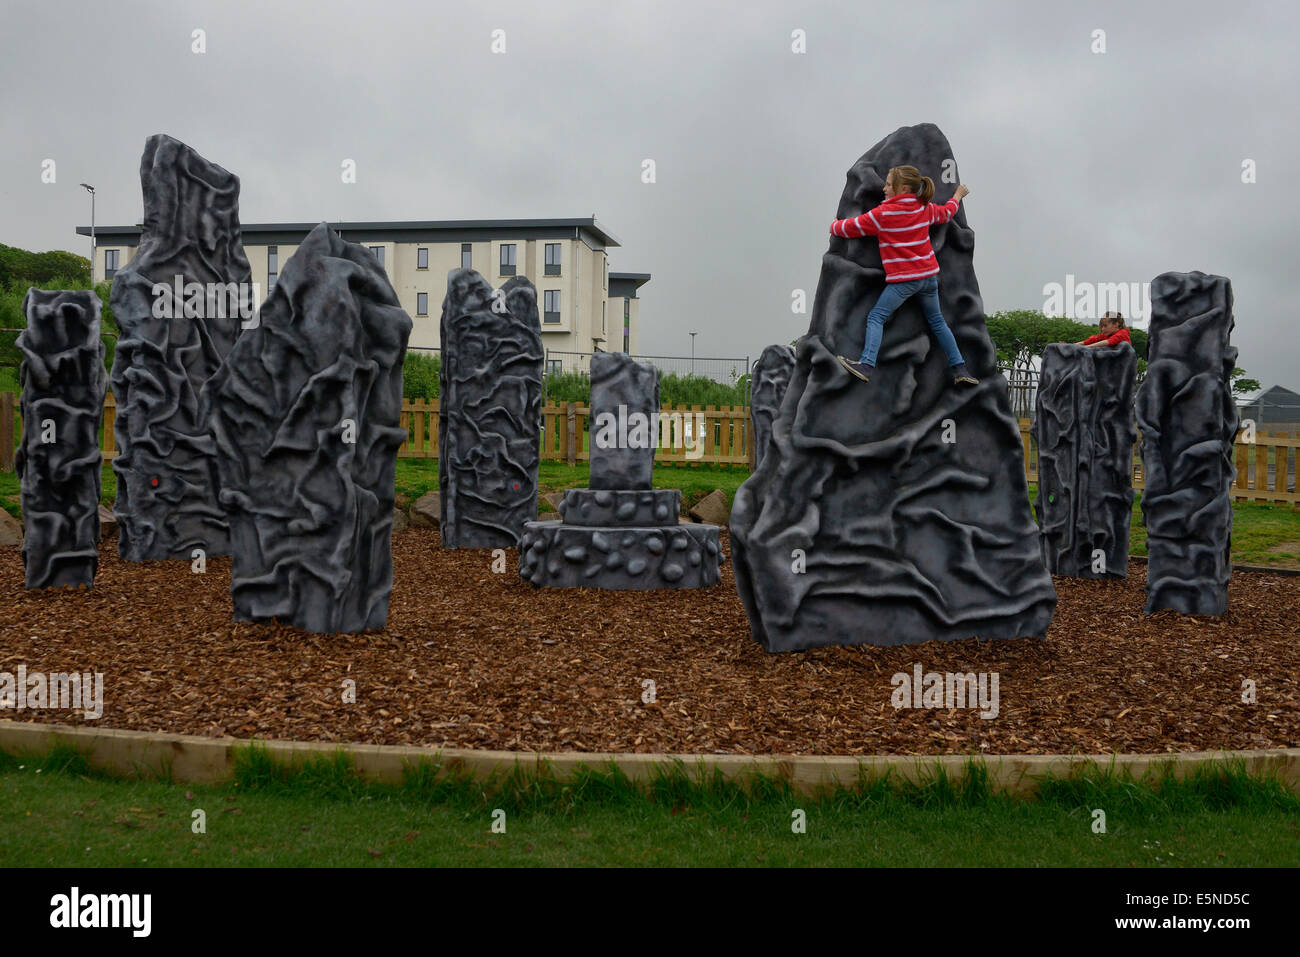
897 511
63 384
1189 424
179 304
624 537
1084 429
769 379
306 415
491 410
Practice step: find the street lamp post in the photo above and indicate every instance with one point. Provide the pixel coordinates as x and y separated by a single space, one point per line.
90 189
693 335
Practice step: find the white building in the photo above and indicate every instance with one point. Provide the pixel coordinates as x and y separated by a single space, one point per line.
584 307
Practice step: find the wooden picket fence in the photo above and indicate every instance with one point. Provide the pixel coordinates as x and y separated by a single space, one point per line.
566 435
1266 468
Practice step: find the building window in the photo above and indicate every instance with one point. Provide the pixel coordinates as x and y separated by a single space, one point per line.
552 259
272 266
602 318
421 303
379 253
552 303
627 325
607 275
422 258
110 262
554 366
507 259
466 256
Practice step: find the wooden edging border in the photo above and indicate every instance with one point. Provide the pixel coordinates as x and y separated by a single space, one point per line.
191 759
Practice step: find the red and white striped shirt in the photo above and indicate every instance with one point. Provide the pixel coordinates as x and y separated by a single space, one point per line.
902 225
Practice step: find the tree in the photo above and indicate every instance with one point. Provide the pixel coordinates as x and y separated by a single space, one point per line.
1242 385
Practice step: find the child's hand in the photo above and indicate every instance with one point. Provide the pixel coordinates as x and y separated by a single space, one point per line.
961 193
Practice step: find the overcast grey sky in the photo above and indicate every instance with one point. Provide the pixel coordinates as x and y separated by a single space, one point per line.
1112 167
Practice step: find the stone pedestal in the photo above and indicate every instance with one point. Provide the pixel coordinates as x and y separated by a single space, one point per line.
1083 426
1189 425
622 534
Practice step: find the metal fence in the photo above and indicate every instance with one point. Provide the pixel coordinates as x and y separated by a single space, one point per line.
1023 386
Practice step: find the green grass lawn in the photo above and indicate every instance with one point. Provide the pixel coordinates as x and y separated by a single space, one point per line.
1261 534
417 476
55 812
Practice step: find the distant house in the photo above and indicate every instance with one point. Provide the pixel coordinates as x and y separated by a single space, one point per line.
1276 407
578 298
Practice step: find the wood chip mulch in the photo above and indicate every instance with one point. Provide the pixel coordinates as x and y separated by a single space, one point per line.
475 659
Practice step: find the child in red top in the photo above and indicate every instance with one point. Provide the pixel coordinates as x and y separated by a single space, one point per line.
1112 332
902 225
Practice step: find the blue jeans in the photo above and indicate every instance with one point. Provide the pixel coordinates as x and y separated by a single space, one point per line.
897 293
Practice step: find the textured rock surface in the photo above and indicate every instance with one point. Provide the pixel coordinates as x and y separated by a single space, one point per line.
559 555
712 509
1084 429
770 377
63 384
609 507
306 415
426 511
166 470
1189 424
491 399
902 535
624 401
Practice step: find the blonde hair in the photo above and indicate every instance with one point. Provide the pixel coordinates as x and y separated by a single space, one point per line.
908 179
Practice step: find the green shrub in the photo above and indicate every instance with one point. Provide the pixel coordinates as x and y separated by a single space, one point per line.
421 375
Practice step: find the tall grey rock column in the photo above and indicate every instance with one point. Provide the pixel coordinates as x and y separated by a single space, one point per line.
769 379
489 425
63 382
622 533
174 336
1189 424
1084 430
306 416
894 511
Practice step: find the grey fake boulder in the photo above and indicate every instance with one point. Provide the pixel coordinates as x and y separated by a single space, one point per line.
769 379
63 383
491 411
1188 419
621 538
179 304
895 511
1083 426
306 415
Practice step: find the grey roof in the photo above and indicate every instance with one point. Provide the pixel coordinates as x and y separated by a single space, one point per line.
586 222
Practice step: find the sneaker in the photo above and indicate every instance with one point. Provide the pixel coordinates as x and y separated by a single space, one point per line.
859 369
960 376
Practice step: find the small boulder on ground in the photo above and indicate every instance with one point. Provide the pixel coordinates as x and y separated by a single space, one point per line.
553 499
401 522
712 509
11 530
426 511
107 524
